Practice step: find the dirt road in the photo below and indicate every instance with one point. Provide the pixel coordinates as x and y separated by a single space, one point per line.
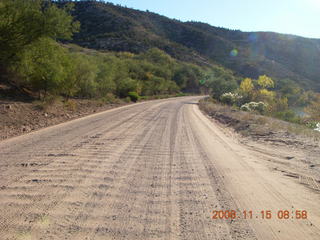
155 170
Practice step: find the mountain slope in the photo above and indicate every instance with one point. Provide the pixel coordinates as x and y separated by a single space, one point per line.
109 27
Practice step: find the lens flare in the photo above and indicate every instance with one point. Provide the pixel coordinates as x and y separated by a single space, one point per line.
234 53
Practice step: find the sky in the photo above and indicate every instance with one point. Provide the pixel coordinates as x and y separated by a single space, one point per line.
298 17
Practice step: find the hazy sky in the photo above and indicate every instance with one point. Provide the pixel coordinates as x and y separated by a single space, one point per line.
299 17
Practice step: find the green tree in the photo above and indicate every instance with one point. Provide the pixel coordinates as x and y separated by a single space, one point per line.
125 86
105 79
85 74
188 76
25 22
43 66
220 81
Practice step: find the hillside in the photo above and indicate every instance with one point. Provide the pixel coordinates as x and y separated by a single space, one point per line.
105 26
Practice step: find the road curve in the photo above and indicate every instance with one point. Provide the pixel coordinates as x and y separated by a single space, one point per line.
154 170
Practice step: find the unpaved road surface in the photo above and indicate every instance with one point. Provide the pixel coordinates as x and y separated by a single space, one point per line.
154 170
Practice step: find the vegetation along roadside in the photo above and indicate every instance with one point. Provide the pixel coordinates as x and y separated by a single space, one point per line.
42 65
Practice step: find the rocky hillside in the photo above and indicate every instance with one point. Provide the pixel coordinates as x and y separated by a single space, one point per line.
105 26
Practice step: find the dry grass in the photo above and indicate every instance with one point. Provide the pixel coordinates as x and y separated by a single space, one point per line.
48 104
71 105
253 124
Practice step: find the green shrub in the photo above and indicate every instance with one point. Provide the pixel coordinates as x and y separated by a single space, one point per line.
134 97
180 94
109 98
289 116
127 99
125 86
230 98
145 98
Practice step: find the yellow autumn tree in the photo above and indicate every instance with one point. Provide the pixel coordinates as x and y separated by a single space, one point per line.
247 89
265 82
264 94
246 86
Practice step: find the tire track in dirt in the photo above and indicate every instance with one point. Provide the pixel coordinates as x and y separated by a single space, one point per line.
109 181
154 170
9 220
63 143
237 228
139 186
254 187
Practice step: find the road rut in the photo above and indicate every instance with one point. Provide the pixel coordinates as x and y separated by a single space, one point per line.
154 170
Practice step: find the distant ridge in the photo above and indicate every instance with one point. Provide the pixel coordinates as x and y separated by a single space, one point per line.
105 26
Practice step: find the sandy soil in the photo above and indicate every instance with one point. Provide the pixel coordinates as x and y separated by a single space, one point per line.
154 170
17 118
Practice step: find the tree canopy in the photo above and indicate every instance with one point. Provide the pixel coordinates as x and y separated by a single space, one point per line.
25 22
